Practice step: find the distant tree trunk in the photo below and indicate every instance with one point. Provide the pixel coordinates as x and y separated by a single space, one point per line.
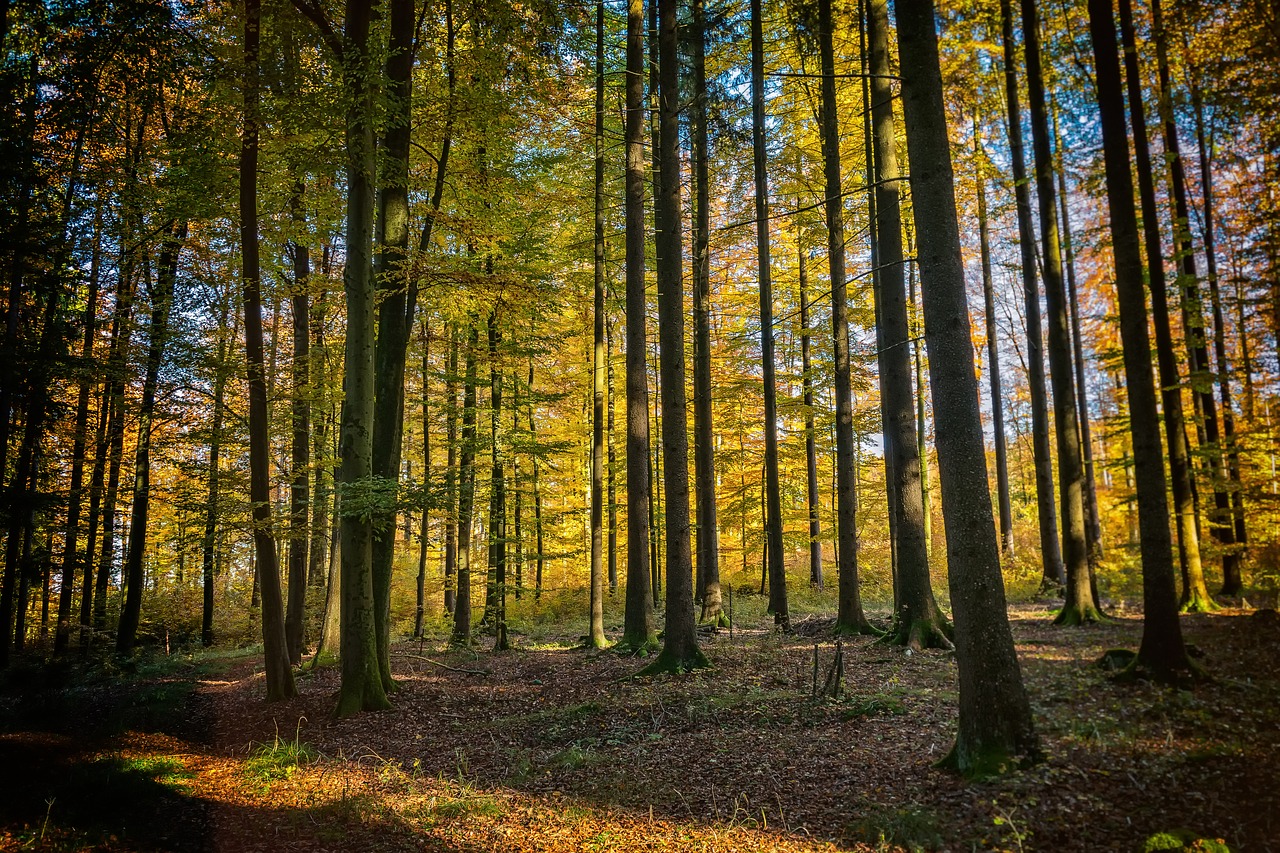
1220 523
70 552
363 687
810 443
707 589
497 492
157 340
993 358
1195 595
279 674
611 487
209 541
638 629
1050 548
451 475
91 533
918 622
537 497
1079 607
320 501
917 355
1162 652
517 488
466 491
1093 527
680 650
777 568
596 604
300 446
424 529
995 718
849 615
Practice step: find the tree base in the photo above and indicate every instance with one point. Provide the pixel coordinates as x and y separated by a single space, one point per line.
856 627
1200 602
636 646
674 664
1074 615
985 763
920 634
1181 673
356 700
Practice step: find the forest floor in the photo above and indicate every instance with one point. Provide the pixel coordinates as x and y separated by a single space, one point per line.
551 747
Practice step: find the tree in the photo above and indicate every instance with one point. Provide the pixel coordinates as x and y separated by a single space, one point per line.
810 433
598 368
995 717
466 491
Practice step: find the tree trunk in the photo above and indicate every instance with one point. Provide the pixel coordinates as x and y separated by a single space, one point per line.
537 497
1050 548
680 650
707 589
300 445
917 355
362 687
451 475
1195 595
208 546
810 442
638 629
849 615
497 493
1079 607
1162 652
91 533
424 529
466 492
918 622
158 338
611 473
995 723
993 357
596 604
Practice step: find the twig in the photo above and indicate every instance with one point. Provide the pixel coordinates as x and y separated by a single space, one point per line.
450 668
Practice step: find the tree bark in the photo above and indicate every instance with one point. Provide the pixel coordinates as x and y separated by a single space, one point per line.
995 723
596 604
424 528
451 475
300 446
497 492
466 492
209 542
810 443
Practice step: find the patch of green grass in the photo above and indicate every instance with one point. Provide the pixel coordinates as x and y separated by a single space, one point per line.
575 756
467 806
163 769
913 828
279 760
872 706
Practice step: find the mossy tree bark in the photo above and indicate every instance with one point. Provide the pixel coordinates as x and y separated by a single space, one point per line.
995 725
1162 653
918 622
638 626
1195 595
598 368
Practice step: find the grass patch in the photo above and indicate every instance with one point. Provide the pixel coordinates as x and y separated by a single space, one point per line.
913 828
279 760
872 706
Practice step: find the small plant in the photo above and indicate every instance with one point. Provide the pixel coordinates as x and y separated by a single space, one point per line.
913 828
280 759
872 706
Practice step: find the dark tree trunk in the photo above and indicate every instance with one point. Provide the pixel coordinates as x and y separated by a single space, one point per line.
451 475
596 604
497 493
96 483
810 443
424 528
300 446
995 723
638 629
1079 607
537 497
1195 595
158 338
611 476
466 492
680 650
707 589
1162 652
1051 551
918 622
209 542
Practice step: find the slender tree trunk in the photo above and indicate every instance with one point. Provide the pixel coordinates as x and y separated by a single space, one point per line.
849 615
995 722
918 622
70 551
1162 652
638 629
680 650
707 589
1220 524
777 568
91 533
1050 548
498 493
424 529
1195 595
537 497
611 485
466 492
209 542
596 605
158 338
993 358
300 446
320 425
517 487
451 475
917 355
810 442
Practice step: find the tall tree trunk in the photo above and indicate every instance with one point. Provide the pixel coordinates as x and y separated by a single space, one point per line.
158 338
777 568
362 687
1220 523
707 589
537 498
517 488
810 442
995 718
611 473
1079 607
680 650
466 491
424 529
917 356
918 622
1050 548
70 551
209 542
849 615
320 501
300 446
1162 652
96 485
638 629
451 475
498 493
1195 595
596 604
275 651
993 357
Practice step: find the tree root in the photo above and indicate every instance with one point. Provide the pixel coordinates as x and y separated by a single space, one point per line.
675 665
1079 614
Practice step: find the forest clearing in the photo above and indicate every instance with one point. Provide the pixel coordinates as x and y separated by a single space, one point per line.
556 747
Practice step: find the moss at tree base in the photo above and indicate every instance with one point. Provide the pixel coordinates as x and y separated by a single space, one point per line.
676 664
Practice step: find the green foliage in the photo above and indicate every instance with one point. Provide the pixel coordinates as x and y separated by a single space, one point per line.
280 759
914 828
872 706
1184 839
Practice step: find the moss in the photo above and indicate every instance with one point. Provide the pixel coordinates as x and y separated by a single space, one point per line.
1079 614
860 627
1198 603
984 763
673 664
918 634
